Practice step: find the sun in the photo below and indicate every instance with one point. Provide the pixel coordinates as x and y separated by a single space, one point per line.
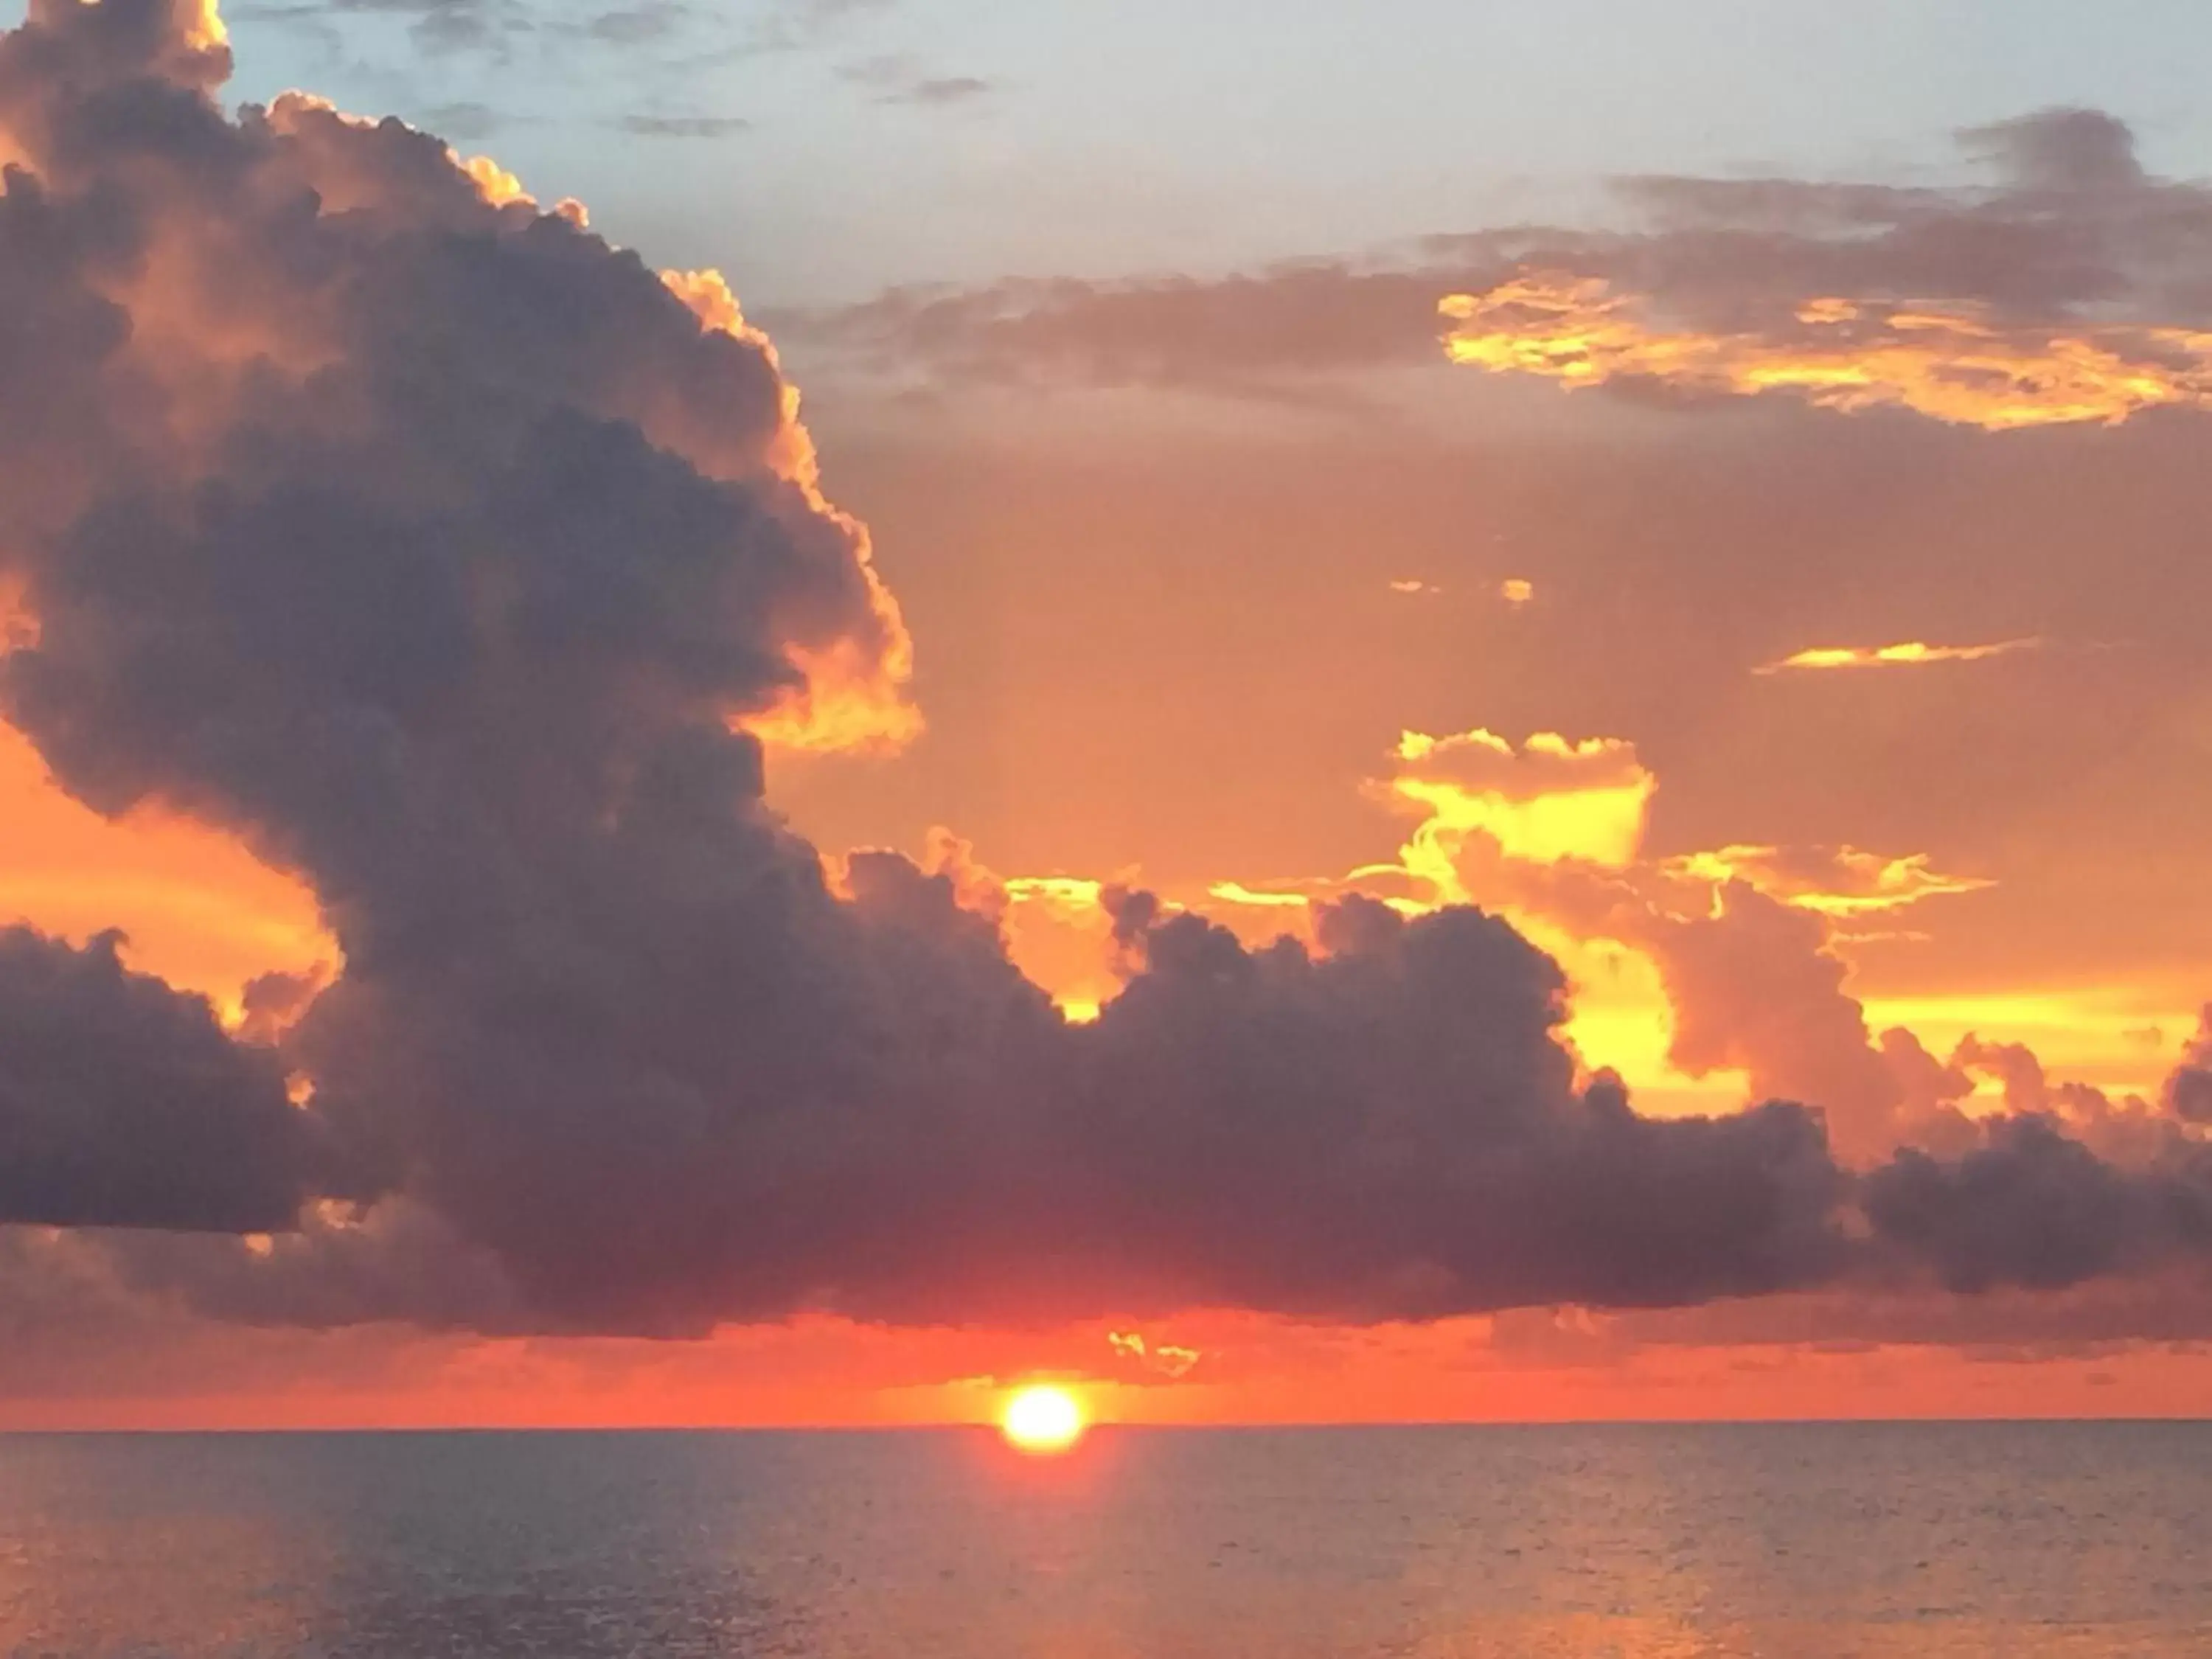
1042 1419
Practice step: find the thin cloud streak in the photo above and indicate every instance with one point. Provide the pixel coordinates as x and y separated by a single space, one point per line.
1912 653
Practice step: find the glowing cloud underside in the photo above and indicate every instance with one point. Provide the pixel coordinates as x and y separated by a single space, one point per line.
1913 653
1949 364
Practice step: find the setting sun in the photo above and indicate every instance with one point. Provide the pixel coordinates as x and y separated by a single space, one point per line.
1043 1419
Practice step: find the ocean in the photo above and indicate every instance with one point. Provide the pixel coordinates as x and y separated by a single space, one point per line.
1935 1541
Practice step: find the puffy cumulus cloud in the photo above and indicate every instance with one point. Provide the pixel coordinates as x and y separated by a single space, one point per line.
2031 1206
1742 942
1391 1125
457 561
1755 988
123 1105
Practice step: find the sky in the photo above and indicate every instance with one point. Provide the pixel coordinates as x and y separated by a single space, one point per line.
1400 712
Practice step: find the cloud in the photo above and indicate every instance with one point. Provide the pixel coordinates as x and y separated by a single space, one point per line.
1160 1358
1244 334
1837 881
1948 363
632 26
2067 290
685 126
1911 654
457 569
900 79
2033 1207
463 121
464 566
1742 941
2189 1090
1547 799
946 89
123 1105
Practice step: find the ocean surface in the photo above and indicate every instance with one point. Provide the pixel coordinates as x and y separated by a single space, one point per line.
1798 1542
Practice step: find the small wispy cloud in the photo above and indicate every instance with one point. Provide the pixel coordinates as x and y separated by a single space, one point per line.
685 126
631 26
465 121
899 79
1913 653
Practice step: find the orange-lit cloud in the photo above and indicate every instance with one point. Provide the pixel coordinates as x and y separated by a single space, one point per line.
1165 1358
1950 364
1911 654
853 693
1842 881
1547 801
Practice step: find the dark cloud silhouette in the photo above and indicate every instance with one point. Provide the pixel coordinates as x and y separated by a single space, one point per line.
447 593
123 1105
448 555
2189 1090
2033 1207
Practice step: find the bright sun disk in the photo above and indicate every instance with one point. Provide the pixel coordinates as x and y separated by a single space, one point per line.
1042 1418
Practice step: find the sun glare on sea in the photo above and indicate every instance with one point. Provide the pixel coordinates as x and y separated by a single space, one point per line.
1042 1419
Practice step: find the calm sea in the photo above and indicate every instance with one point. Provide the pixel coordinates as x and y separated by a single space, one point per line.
1633 1543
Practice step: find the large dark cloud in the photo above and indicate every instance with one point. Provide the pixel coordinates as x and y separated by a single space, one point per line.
442 552
454 552
123 1103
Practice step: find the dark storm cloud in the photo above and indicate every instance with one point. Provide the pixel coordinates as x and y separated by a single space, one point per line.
123 1105
439 551
2066 227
